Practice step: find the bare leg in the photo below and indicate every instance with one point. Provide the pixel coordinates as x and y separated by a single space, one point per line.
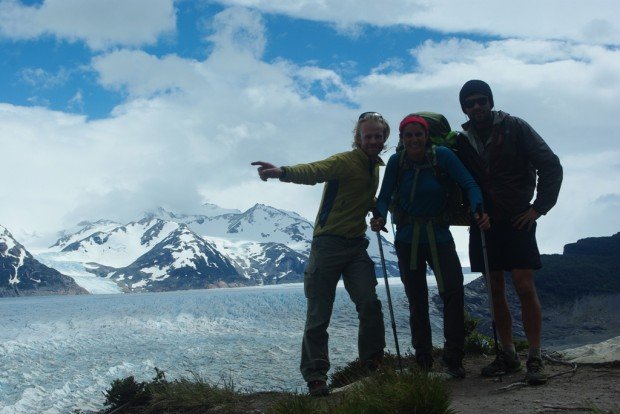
503 319
531 313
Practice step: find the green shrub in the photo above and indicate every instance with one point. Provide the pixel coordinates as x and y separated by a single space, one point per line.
476 343
126 392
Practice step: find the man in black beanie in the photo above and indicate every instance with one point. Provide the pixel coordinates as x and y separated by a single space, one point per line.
506 156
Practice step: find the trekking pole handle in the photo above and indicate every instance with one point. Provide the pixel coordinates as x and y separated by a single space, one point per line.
376 215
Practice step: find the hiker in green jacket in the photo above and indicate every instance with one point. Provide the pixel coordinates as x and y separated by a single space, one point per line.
510 162
415 184
339 247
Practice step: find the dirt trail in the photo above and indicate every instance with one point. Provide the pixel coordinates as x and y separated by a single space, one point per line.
589 386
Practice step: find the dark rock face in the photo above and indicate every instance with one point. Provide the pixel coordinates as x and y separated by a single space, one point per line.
21 274
595 246
578 292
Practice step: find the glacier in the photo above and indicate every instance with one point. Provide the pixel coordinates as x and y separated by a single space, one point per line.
59 353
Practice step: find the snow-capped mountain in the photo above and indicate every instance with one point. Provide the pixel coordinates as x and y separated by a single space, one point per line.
262 245
182 260
21 274
266 224
119 245
86 228
266 263
260 223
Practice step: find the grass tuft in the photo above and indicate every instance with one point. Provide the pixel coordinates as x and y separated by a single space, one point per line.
385 392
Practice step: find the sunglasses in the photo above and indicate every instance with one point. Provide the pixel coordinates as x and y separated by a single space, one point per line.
369 114
481 101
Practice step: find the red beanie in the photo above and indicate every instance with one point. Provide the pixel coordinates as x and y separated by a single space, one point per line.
413 119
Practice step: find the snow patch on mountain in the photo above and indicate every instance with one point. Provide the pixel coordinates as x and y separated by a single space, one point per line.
86 228
266 263
121 245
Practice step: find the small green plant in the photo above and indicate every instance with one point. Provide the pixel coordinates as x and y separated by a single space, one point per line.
521 345
476 343
126 392
160 395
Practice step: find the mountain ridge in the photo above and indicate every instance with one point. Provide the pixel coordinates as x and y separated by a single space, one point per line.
263 244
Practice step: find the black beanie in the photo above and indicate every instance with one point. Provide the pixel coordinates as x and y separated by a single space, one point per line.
475 86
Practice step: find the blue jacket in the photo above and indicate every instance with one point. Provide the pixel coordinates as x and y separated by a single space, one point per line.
429 197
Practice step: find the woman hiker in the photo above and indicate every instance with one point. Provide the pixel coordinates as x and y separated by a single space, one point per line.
412 184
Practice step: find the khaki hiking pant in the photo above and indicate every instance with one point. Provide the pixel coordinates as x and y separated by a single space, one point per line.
330 258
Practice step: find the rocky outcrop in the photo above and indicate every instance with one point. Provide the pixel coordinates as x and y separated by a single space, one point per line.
579 291
21 274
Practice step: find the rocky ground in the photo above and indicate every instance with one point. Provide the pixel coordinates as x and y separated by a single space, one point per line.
570 389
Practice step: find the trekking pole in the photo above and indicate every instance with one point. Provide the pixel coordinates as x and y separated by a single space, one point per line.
387 291
487 280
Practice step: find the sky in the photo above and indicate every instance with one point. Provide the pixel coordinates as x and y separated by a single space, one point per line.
112 108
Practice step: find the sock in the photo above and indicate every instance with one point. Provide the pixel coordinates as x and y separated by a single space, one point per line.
534 353
510 350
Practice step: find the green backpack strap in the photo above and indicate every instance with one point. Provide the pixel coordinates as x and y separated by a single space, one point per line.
420 223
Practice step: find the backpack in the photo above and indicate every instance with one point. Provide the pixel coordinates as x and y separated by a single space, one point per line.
439 130
456 209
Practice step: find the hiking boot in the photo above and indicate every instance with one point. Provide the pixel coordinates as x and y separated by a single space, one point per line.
536 374
318 388
375 363
504 364
454 368
425 362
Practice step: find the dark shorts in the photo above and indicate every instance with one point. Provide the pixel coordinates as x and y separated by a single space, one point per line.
507 248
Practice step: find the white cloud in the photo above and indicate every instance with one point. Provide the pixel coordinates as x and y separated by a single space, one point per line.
240 29
590 22
125 70
100 24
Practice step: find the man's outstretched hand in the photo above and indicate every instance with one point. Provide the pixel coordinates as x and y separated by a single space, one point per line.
267 170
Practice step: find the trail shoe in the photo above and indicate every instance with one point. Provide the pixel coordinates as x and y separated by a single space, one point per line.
536 374
454 368
425 362
504 364
318 388
375 363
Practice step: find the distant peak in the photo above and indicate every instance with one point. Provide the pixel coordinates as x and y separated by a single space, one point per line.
86 223
159 213
212 210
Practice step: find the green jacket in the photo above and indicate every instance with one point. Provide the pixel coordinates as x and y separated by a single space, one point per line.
351 181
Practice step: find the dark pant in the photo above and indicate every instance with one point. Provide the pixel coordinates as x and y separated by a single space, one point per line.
417 293
331 257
